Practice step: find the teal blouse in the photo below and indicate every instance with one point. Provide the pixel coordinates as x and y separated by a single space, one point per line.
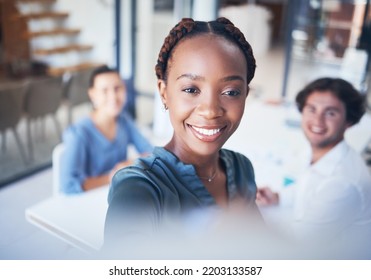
159 186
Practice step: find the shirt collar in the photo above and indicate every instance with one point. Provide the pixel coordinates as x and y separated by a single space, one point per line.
327 164
189 174
98 135
189 169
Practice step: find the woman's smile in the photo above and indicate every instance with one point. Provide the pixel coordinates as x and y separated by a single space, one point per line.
207 134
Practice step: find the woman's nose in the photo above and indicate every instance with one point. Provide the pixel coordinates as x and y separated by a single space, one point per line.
115 94
210 106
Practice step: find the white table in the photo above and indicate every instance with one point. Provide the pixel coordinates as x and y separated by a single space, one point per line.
76 219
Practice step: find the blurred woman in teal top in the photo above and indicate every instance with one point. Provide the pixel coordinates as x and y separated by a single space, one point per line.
96 146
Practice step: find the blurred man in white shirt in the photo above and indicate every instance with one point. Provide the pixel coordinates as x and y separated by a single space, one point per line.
331 200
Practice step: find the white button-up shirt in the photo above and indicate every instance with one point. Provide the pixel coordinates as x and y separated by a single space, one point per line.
332 198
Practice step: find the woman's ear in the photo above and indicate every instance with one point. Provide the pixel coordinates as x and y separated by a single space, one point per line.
162 90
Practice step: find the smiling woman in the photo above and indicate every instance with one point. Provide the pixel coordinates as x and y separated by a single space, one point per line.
96 146
203 70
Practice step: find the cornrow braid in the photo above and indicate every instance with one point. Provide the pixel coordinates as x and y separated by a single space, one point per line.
188 28
178 32
243 44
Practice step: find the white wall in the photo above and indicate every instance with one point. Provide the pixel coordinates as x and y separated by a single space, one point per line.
144 48
152 29
204 10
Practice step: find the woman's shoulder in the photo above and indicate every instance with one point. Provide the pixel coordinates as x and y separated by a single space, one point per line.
126 122
233 157
237 164
124 117
141 174
152 162
151 171
79 129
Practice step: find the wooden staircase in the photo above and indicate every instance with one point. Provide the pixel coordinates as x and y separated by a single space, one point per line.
18 37
41 15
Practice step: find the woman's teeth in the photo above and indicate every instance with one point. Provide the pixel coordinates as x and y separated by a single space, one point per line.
207 132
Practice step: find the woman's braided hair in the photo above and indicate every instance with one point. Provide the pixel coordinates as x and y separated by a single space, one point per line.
188 28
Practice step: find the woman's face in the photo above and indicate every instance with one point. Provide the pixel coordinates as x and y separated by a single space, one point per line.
205 92
108 94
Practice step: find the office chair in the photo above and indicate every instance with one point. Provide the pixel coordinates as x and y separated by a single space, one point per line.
43 98
11 110
76 90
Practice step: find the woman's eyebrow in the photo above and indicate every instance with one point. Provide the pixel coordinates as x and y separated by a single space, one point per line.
190 76
232 78
195 77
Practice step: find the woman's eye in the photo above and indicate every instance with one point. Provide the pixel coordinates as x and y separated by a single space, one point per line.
232 93
118 89
190 90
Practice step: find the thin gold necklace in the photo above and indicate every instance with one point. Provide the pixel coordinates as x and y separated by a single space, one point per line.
209 179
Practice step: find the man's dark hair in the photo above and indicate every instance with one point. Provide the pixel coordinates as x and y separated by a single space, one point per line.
352 99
